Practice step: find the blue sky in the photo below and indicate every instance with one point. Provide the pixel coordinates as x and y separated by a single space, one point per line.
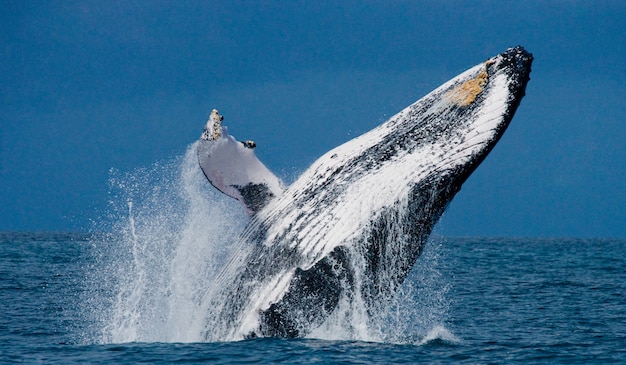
90 86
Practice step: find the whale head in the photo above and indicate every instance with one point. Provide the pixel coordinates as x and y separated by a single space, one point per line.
417 159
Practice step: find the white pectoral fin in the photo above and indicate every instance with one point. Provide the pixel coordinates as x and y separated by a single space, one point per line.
233 168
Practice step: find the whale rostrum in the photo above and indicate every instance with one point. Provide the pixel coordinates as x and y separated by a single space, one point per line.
351 227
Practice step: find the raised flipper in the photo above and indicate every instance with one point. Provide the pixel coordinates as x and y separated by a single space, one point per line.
233 168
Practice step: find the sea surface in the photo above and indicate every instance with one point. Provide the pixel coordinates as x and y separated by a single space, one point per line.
73 298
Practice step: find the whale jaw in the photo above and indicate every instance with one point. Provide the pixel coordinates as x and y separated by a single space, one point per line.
353 225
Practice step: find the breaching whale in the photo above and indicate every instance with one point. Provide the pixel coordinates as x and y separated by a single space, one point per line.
352 225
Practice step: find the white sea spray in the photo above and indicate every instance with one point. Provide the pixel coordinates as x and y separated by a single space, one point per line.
170 235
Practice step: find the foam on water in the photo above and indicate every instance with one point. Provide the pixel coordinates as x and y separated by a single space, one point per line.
172 233
438 333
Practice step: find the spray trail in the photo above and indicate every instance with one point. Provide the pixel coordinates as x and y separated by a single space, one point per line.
172 233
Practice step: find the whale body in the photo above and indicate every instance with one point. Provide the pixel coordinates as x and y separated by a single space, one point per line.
351 227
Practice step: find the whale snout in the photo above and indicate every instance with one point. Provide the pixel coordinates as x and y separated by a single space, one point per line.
518 56
515 61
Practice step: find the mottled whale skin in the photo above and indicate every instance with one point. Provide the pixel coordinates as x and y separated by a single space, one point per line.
352 226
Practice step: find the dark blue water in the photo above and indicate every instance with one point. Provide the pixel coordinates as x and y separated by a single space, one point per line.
485 301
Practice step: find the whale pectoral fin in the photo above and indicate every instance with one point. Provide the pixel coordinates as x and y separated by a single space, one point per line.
233 168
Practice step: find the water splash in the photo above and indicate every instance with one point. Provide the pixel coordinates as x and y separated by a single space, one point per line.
172 233
438 334
419 307
163 251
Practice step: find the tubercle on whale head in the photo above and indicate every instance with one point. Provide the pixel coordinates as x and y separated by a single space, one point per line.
516 59
516 62
517 56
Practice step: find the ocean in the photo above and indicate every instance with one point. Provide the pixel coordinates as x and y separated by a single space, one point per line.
77 298
136 289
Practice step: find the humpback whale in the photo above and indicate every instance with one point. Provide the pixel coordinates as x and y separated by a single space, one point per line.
353 224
